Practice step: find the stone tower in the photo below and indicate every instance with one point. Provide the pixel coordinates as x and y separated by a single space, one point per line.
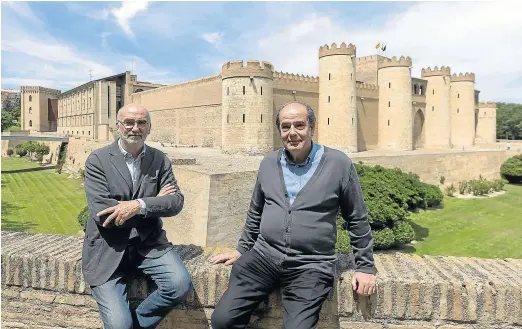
395 108
486 123
247 107
438 107
38 108
337 114
462 110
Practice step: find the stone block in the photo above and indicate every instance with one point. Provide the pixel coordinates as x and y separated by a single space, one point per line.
47 297
360 325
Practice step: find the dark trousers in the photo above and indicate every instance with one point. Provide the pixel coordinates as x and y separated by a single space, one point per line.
254 277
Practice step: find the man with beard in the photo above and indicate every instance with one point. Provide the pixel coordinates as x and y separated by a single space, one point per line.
290 231
129 186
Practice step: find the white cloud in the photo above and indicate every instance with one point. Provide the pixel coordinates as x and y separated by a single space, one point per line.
80 9
481 38
126 12
212 37
22 10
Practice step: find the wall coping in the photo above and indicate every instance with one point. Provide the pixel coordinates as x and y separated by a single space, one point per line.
458 289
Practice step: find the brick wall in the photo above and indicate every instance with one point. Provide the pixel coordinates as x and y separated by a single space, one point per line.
42 287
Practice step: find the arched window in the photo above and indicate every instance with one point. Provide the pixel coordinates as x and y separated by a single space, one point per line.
30 110
30 98
30 123
421 90
415 89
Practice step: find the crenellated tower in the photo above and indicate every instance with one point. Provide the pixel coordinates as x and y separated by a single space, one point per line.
337 113
438 107
462 110
395 107
247 107
486 123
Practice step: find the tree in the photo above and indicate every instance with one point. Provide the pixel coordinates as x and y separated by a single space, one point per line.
509 121
10 118
41 150
30 147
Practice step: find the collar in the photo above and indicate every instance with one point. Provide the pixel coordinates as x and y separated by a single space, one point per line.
308 159
127 155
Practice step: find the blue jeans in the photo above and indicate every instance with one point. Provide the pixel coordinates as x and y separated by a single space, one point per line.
169 274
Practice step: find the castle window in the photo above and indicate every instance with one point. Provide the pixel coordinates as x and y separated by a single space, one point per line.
351 75
389 104
421 90
30 123
389 84
89 133
30 110
77 132
228 91
243 90
433 91
329 76
352 121
388 123
457 110
261 90
243 115
30 98
433 108
328 99
484 113
83 132
227 118
415 89
328 121
458 95
261 118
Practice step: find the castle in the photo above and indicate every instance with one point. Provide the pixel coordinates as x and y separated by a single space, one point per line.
361 103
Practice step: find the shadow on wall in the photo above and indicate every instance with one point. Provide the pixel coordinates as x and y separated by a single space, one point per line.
10 225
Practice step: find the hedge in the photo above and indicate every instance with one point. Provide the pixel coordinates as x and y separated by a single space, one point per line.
390 195
511 169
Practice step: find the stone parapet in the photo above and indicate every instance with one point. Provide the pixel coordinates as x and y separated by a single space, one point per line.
343 49
394 62
42 286
487 105
463 77
442 71
234 69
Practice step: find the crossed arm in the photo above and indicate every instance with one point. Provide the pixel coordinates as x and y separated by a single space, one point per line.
112 213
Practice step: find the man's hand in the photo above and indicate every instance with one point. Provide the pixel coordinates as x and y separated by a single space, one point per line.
364 284
167 190
121 213
229 258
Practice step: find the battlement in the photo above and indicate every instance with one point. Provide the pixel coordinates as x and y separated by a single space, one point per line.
394 62
343 49
442 71
366 86
487 105
463 77
295 77
38 89
253 68
371 58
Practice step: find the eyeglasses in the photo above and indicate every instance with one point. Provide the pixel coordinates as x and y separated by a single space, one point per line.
129 124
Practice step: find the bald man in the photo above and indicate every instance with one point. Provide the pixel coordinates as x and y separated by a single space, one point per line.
129 187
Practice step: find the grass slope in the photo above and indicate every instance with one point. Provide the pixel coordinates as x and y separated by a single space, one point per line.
39 201
488 228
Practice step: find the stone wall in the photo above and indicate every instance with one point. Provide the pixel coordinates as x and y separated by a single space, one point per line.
42 287
78 149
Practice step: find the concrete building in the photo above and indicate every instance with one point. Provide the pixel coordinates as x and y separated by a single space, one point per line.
38 108
10 98
89 110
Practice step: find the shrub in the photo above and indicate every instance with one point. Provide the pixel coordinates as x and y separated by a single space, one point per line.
450 190
343 238
20 150
403 233
9 152
433 194
480 187
442 179
83 216
498 184
383 239
511 169
463 187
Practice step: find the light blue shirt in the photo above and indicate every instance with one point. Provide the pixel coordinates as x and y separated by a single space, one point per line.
297 175
134 166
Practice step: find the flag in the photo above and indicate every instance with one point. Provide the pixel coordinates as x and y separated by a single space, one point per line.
384 48
378 46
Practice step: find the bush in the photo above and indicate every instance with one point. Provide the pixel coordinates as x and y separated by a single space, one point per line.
83 216
450 190
390 194
20 150
463 187
9 152
511 169
480 186
498 184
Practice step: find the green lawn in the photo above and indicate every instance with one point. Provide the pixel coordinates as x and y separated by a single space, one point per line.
39 201
488 228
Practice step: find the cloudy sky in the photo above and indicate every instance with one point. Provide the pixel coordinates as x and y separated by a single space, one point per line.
58 44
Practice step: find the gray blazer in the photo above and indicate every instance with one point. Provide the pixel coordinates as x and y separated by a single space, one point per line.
107 181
